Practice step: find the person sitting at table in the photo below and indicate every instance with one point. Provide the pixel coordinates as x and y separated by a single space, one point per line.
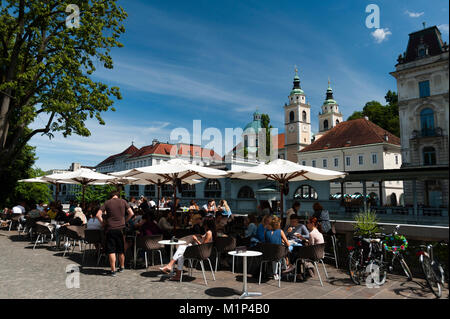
291 212
262 228
193 206
164 223
210 207
93 222
148 225
251 228
144 206
274 235
315 236
323 219
162 202
209 236
225 209
220 222
297 231
197 227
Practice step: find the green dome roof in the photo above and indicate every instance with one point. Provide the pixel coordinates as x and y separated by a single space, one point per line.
329 102
254 125
297 91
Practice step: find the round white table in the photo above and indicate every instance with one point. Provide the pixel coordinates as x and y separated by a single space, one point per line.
171 244
248 253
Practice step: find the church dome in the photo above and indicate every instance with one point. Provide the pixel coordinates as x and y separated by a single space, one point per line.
255 125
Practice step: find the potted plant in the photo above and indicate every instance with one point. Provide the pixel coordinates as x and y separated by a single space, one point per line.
366 223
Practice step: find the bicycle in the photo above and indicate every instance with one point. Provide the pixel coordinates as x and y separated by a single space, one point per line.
364 253
395 244
432 269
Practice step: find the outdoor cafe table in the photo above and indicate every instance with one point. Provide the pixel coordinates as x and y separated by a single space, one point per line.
171 244
248 253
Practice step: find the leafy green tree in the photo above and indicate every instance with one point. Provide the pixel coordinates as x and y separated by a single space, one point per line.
33 191
265 123
96 193
46 68
385 116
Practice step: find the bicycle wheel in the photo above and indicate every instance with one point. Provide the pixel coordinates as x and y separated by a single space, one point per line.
430 276
405 267
355 267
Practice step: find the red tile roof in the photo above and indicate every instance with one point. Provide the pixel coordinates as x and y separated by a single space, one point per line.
358 132
128 151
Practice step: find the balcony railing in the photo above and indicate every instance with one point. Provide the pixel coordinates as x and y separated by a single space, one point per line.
432 132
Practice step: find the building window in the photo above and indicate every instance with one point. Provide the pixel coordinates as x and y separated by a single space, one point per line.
361 159
304 116
374 158
429 156
396 159
324 162
347 160
134 190
291 116
246 192
305 192
149 191
166 190
337 122
212 189
313 163
336 162
304 163
325 125
424 88
188 190
427 122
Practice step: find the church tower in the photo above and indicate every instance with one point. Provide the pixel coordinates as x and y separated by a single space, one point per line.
330 115
297 125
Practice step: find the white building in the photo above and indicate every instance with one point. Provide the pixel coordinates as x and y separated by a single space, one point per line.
423 87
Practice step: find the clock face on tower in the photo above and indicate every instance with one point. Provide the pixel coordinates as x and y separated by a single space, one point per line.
291 128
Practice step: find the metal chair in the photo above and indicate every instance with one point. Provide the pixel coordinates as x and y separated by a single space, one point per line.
15 220
93 236
43 230
332 255
199 252
150 243
224 245
272 253
314 254
76 233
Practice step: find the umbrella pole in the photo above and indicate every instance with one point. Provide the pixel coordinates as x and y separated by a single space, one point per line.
174 208
83 188
56 191
158 186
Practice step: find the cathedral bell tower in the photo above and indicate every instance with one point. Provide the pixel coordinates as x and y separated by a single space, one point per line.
297 125
330 115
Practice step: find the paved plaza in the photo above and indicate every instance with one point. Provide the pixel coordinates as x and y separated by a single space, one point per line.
42 273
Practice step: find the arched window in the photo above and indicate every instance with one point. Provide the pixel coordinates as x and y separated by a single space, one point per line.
429 155
166 190
134 190
427 122
188 190
325 125
337 122
246 192
149 190
305 192
304 116
212 189
291 116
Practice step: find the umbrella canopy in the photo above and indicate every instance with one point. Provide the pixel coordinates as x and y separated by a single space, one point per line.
175 172
82 176
283 172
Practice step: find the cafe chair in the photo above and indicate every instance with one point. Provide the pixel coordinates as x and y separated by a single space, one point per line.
150 244
42 230
93 237
332 254
314 254
74 233
199 253
272 253
224 245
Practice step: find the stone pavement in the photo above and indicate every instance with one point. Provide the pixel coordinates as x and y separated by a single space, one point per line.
41 273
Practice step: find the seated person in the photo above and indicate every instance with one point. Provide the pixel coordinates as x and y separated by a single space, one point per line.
250 224
323 219
93 222
193 206
164 223
210 207
315 236
225 209
274 235
297 231
221 222
262 228
148 226
197 227
208 237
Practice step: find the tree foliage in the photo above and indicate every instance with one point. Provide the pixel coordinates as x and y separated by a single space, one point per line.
385 116
265 123
46 68
95 193
33 191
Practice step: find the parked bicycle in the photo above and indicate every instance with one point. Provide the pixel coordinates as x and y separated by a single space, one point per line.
367 251
432 269
394 244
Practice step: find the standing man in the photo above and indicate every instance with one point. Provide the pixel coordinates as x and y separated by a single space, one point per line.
114 223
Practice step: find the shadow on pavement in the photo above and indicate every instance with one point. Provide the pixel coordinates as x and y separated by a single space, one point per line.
222 292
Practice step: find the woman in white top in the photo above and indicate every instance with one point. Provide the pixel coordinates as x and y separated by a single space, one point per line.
94 223
315 236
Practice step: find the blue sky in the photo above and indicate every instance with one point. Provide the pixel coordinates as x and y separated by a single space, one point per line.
217 61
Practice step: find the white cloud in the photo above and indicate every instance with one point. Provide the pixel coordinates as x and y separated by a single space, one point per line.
443 28
414 14
381 34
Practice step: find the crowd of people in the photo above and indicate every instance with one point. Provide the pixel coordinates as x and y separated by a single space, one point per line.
118 217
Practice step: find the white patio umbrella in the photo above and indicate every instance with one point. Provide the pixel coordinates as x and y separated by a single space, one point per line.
40 179
82 176
283 172
174 172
